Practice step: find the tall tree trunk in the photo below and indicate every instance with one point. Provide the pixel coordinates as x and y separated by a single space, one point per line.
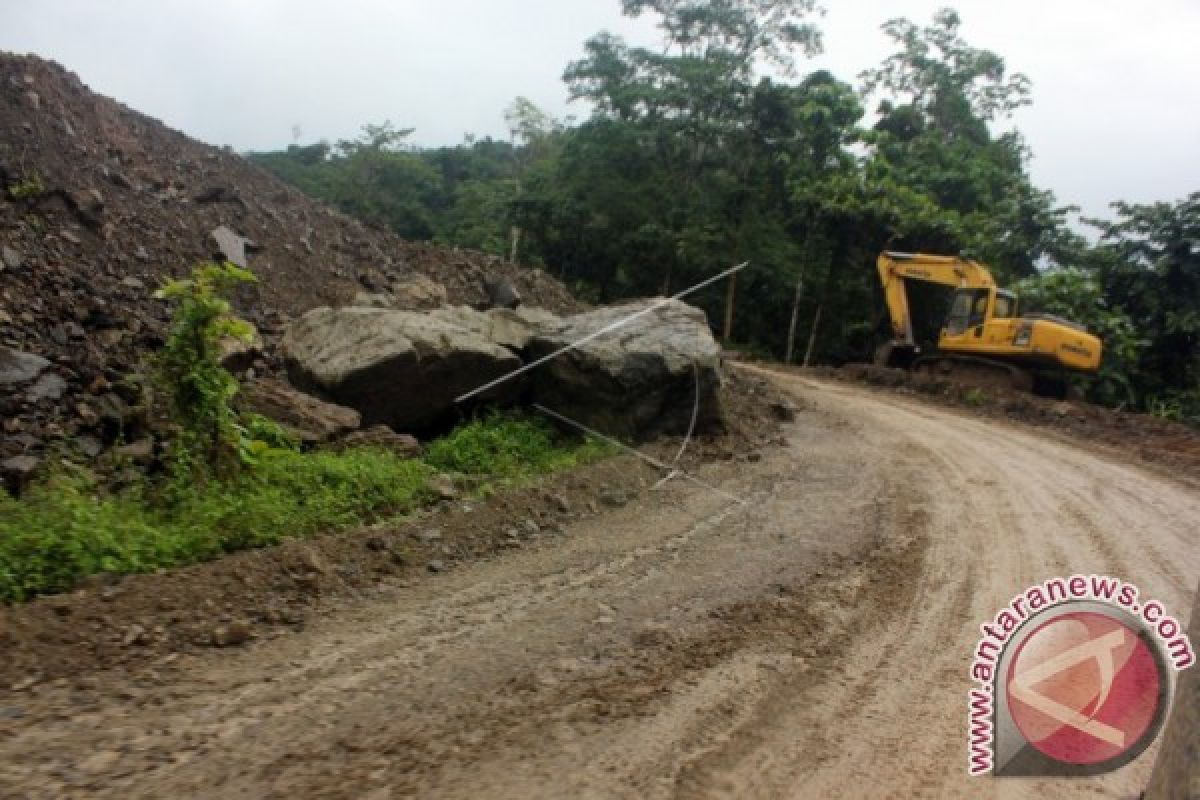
791 338
812 336
515 234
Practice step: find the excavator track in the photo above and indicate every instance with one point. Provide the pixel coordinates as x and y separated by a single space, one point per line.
983 373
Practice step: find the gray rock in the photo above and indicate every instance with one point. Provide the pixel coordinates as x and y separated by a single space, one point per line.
139 452
308 418
18 471
500 292
88 205
50 386
11 258
131 282
89 446
397 368
231 246
18 368
644 377
381 436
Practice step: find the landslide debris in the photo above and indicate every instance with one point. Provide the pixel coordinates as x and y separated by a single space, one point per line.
100 205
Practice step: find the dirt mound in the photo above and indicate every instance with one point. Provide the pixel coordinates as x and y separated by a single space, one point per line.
1147 438
99 205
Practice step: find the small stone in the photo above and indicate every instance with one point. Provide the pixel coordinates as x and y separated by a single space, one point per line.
18 368
436 566
100 762
443 487
141 255
376 543
429 536
231 635
50 386
11 258
230 245
33 100
135 635
130 282
614 498
784 410
139 452
531 527
68 236
18 471
561 503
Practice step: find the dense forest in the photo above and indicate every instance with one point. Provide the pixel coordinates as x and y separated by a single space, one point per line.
717 148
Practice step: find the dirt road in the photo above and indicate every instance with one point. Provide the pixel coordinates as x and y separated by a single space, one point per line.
813 642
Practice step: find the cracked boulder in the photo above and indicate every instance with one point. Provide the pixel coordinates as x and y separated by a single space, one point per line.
647 376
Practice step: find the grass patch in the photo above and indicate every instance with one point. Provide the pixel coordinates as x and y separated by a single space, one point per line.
68 528
509 448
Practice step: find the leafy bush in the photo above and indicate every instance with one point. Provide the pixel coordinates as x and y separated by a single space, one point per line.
66 529
200 390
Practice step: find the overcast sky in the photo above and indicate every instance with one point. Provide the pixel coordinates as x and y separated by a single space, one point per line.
1116 83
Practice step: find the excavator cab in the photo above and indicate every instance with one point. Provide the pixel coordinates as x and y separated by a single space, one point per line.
985 314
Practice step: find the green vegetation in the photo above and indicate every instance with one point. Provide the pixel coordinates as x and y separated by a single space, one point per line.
507 447
31 186
69 527
238 481
200 391
692 161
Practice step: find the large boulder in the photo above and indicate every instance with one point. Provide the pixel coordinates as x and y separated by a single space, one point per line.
397 368
644 377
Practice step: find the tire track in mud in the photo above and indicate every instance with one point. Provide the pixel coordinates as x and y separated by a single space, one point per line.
815 644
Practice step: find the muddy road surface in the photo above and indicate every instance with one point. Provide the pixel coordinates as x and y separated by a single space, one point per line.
812 640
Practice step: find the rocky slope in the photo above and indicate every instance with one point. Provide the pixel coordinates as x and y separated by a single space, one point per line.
100 204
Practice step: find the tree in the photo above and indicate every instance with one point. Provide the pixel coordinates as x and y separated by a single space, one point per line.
1148 262
686 107
941 96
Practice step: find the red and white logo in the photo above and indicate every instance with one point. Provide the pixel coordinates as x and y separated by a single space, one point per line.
1084 688
1073 677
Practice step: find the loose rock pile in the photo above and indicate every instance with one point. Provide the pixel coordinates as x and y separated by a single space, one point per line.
100 205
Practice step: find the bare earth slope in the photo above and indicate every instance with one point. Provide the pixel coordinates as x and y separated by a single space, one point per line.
814 643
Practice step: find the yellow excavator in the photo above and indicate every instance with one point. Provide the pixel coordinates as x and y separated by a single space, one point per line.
984 340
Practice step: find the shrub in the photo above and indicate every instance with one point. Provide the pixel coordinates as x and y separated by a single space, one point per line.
199 389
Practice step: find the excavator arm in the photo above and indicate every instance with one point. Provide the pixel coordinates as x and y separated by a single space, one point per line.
896 268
